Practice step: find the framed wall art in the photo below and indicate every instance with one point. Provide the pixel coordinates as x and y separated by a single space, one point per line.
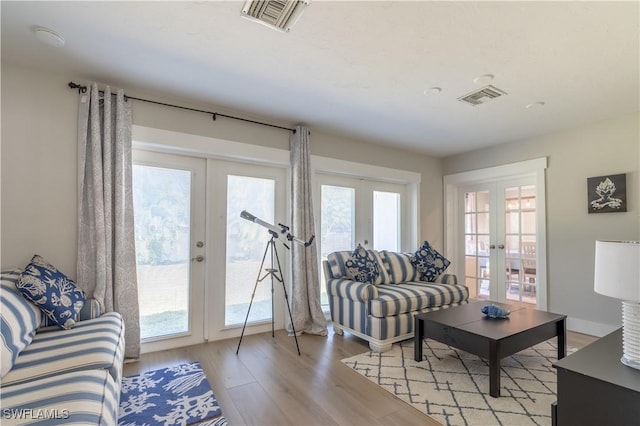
607 194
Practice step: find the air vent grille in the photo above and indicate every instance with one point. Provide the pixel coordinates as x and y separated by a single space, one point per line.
278 14
482 96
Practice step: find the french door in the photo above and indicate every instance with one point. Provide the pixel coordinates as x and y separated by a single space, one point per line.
188 227
499 223
358 211
169 218
238 247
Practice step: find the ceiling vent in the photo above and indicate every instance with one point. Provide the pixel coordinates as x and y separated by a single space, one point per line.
482 96
277 14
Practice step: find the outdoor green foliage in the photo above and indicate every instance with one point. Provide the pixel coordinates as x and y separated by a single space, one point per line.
337 209
163 324
246 240
236 314
337 218
162 202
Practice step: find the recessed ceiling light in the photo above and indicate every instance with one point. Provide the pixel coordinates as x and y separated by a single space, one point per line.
535 105
483 79
432 91
49 37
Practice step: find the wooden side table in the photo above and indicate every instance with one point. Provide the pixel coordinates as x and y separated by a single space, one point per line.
595 388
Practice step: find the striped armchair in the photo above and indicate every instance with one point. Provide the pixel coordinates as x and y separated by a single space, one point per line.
382 313
53 375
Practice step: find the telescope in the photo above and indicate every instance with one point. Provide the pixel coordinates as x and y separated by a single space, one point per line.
274 230
274 273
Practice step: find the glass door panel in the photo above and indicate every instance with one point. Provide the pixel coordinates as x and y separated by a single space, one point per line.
386 221
337 218
520 236
337 225
477 252
246 242
239 246
357 211
500 235
162 204
168 198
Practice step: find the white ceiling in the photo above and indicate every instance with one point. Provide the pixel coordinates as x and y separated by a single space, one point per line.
357 68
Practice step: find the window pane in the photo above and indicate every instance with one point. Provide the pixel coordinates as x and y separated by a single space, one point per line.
513 246
512 224
471 266
512 192
483 245
162 218
529 222
470 202
470 245
483 223
337 219
246 243
470 223
520 227
483 202
386 221
337 225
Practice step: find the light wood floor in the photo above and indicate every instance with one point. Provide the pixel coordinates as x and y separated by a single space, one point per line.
267 383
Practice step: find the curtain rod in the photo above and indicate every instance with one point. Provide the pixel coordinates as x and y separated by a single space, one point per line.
214 115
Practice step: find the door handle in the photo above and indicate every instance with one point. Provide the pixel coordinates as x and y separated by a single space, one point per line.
198 258
501 246
492 246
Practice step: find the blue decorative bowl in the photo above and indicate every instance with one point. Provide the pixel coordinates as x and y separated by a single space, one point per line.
495 311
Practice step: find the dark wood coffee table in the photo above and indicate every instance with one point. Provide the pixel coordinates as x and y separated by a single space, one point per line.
466 327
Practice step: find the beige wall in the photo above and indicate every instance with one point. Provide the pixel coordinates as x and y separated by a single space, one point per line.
38 181
609 147
38 169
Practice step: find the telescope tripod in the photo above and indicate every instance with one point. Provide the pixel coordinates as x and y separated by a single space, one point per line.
275 274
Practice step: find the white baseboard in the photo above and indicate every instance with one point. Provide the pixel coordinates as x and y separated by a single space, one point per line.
590 327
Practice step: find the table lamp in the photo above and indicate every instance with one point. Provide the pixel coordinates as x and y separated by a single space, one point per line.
617 275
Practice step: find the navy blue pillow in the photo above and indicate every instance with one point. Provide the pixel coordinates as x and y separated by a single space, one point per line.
362 266
52 291
429 262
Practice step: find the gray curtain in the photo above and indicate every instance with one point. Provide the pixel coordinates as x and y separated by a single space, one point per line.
306 308
106 247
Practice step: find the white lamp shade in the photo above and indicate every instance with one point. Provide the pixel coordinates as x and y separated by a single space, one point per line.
617 270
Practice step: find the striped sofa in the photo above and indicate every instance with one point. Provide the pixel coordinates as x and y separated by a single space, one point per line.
382 313
55 376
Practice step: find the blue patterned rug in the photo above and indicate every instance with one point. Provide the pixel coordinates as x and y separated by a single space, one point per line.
178 395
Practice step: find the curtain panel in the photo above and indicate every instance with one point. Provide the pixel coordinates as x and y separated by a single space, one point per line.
306 309
106 267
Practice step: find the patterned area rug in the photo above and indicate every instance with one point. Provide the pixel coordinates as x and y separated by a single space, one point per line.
178 395
452 386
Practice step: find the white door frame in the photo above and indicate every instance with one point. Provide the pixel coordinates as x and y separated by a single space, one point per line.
160 140
364 189
323 166
197 167
453 232
218 170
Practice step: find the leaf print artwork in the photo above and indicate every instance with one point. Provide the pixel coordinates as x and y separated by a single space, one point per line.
605 190
607 194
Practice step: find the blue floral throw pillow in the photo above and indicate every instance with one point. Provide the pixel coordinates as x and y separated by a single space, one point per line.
429 262
362 266
52 291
